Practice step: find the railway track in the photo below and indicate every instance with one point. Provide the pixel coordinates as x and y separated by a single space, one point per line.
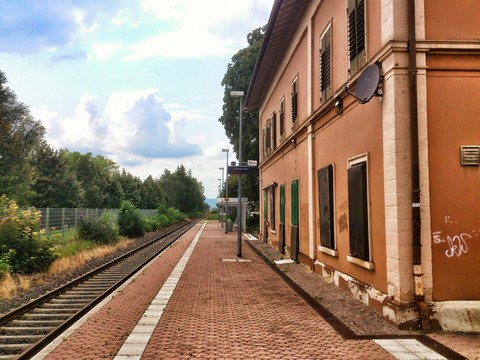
27 329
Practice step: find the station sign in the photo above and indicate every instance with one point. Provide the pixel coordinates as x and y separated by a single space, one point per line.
237 170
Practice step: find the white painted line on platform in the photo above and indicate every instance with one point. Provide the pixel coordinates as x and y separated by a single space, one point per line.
138 339
240 260
408 349
251 237
284 261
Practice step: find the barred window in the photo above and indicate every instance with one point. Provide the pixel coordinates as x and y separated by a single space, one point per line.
356 34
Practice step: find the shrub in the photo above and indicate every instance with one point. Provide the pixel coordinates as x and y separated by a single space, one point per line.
151 223
24 248
130 221
99 230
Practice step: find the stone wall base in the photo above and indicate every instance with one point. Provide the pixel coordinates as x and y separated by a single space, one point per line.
402 315
457 316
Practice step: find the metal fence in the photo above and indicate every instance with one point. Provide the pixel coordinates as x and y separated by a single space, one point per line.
54 219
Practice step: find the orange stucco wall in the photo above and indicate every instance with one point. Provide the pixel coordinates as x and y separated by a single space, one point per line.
357 131
453 121
445 19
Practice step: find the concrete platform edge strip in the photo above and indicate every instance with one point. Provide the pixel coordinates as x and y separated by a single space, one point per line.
137 341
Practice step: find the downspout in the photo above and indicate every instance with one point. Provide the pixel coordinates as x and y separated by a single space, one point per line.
424 310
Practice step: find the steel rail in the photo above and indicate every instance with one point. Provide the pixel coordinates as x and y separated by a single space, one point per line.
32 348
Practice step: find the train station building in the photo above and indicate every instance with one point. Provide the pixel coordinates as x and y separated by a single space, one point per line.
370 151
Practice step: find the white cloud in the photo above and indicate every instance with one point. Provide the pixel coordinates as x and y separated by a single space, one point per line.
134 125
192 29
104 50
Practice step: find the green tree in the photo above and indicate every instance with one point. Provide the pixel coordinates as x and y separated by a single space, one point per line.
132 188
53 184
237 77
182 191
20 133
152 193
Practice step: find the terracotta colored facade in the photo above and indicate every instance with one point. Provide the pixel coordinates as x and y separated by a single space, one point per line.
338 177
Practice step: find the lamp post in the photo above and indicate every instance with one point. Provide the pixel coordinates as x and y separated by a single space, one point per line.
239 94
221 192
226 193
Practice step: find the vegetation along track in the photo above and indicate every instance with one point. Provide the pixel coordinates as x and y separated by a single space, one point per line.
27 329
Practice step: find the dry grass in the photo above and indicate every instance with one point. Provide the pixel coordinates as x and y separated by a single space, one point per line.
75 261
10 285
8 288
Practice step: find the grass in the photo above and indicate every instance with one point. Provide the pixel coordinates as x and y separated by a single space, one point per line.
73 253
85 253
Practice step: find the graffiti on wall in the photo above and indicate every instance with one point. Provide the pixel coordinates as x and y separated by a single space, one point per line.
457 244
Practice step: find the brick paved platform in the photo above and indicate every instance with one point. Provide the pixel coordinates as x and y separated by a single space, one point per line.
218 307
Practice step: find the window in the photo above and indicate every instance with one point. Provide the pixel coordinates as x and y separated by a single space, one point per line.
326 64
294 203
282 204
281 119
358 208
267 139
265 206
295 99
274 131
326 206
356 34
272 208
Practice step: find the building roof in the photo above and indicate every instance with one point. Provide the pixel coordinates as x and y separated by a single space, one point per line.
282 21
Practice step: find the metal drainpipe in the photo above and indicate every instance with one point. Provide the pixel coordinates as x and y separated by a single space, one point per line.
424 310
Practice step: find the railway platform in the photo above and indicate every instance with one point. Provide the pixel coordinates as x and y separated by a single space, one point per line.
198 300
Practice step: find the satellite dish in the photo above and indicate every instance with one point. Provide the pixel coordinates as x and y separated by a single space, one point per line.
367 84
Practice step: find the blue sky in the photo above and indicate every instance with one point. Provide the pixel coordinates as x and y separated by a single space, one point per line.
138 81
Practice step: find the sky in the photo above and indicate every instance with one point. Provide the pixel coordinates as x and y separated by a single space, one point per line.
137 81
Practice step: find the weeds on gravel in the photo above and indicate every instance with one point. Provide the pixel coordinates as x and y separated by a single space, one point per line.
72 262
8 288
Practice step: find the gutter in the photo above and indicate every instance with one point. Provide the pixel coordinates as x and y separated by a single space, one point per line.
424 310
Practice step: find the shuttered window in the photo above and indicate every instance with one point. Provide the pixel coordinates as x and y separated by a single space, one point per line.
281 119
326 206
272 208
265 205
358 210
326 64
356 34
274 131
295 215
268 138
282 204
295 99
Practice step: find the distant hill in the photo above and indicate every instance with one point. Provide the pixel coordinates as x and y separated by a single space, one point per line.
212 203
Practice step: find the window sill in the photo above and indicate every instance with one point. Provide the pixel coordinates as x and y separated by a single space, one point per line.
365 264
273 231
328 251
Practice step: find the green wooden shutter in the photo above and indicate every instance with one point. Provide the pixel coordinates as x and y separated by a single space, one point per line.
265 205
282 204
295 217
